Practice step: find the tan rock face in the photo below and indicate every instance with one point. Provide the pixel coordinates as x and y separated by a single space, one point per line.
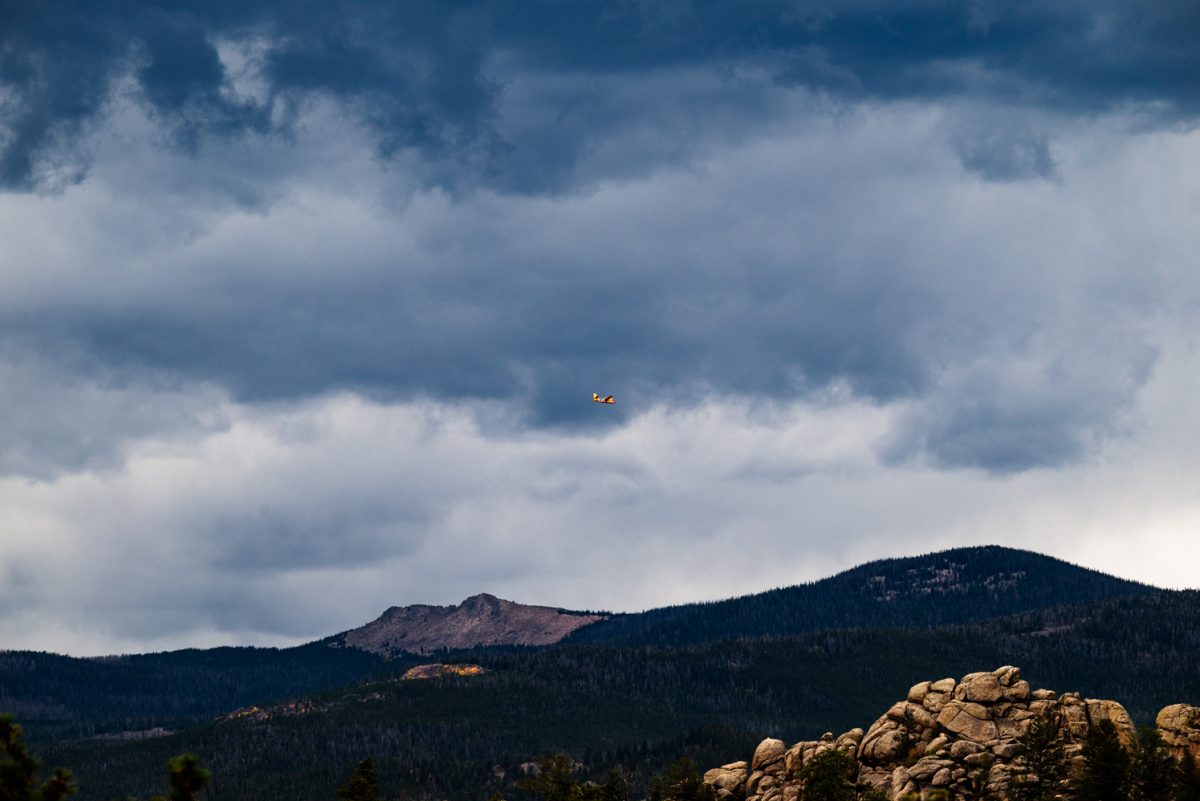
1180 728
768 751
884 747
1074 716
1111 710
981 688
915 713
479 620
1017 691
934 702
441 671
968 720
1007 675
918 692
943 686
953 731
723 778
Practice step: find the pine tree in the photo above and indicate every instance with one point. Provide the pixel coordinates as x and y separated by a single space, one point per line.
552 781
18 770
908 748
1039 765
615 787
826 777
363 784
1153 769
1106 766
1187 779
684 783
186 778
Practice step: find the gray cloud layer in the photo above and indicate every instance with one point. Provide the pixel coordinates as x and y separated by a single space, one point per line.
313 295
848 251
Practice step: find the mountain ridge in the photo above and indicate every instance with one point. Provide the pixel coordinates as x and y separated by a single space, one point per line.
639 705
479 621
642 707
956 585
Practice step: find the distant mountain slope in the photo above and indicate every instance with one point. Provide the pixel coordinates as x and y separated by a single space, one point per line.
643 707
62 696
954 586
480 620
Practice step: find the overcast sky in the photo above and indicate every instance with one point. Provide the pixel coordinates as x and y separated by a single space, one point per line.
302 303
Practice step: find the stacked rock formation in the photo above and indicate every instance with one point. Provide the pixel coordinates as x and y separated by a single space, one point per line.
1179 725
959 736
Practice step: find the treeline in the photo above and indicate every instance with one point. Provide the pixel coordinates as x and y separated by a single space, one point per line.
1137 649
1143 770
641 708
64 697
19 780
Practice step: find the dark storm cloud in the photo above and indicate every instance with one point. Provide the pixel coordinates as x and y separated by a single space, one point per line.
430 76
536 323
780 278
850 256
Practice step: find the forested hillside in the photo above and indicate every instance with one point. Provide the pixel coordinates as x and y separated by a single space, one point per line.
642 707
955 586
62 697
59 696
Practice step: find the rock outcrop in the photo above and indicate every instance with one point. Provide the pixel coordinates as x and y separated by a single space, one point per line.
1179 725
958 736
439 670
479 620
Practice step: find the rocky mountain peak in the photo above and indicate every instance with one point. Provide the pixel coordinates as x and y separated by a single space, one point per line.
483 602
481 619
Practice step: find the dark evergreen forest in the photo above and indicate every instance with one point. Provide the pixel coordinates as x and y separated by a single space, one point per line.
955 586
707 681
643 707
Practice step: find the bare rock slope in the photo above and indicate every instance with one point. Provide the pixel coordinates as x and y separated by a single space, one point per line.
960 736
479 620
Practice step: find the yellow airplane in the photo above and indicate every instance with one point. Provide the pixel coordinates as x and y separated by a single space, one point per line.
608 399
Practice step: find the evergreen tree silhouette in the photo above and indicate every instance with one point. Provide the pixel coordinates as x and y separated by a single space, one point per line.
1106 769
185 779
552 781
684 783
18 770
1039 768
826 777
363 784
1153 770
1187 779
615 787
